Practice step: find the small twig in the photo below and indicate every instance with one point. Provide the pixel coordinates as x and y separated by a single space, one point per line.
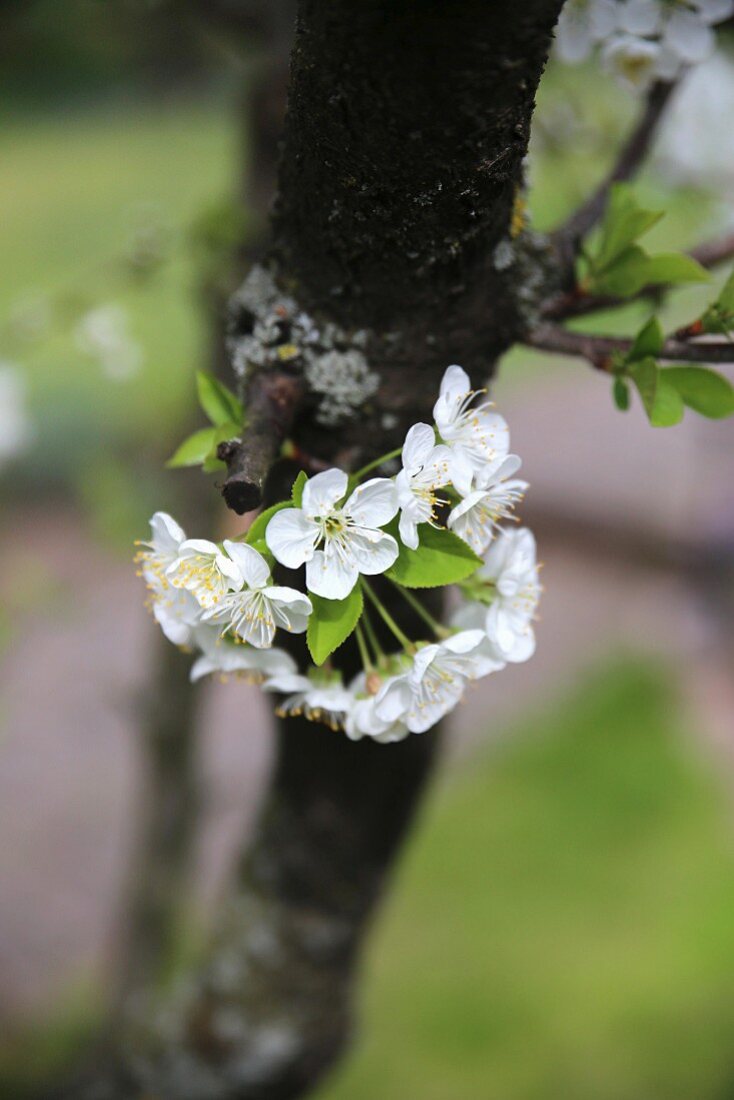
567 237
271 401
600 350
713 253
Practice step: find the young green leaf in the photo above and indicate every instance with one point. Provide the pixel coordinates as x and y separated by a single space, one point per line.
624 222
726 296
193 450
621 393
633 269
702 389
674 268
219 403
297 490
649 341
331 622
441 558
644 374
668 407
212 464
663 404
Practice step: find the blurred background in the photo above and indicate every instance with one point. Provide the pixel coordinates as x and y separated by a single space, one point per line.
562 921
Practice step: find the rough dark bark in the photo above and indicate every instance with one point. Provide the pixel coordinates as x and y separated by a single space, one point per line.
406 131
401 174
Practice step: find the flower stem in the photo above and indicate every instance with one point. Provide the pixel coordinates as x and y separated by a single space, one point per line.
438 629
371 636
363 651
387 617
377 462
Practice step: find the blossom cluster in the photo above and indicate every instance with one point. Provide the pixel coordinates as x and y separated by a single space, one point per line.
437 522
640 40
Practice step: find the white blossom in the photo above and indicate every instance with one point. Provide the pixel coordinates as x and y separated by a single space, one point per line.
104 334
175 610
435 681
641 40
253 611
228 658
583 23
642 17
425 469
336 541
204 570
319 697
632 60
476 436
510 569
362 719
476 518
687 30
696 153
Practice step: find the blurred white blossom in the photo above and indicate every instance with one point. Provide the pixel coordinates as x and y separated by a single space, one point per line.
640 40
693 151
103 333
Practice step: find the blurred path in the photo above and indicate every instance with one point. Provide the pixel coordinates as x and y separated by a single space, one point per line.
72 672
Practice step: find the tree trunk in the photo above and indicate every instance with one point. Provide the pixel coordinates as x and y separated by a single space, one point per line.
396 232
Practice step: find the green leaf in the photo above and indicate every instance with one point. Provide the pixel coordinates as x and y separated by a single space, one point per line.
649 341
668 407
726 296
212 464
702 389
621 393
644 374
331 622
257 530
219 403
193 450
624 222
297 490
634 269
441 558
674 267
663 404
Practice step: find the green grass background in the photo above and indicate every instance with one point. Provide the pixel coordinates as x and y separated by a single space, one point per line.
562 924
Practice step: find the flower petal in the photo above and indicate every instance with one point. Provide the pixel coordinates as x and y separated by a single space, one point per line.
167 535
292 537
461 471
321 492
639 16
408 530
419 442
252 565
289 608
688 36
331 576
373 551
287 683
455 382
373 503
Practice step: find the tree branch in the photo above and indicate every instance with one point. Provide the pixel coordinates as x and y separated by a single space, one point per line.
600 350
567 237
714 252
271 400
576 303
